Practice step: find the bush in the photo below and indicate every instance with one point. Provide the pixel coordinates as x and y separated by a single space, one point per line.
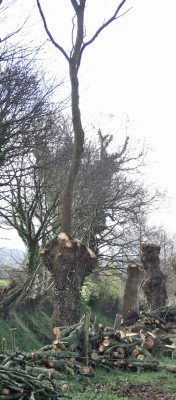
103 295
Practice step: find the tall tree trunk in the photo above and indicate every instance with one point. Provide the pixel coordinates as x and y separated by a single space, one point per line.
69 262
77 154
70 266
131 293
154 285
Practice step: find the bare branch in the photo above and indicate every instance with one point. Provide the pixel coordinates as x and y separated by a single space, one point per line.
113 18
75 5
49 33
73 27
11 34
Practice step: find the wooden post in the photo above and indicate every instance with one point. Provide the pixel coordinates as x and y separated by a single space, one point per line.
117 322
86 338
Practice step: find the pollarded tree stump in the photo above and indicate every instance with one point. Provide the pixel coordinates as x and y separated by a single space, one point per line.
154 285
131 294
70 262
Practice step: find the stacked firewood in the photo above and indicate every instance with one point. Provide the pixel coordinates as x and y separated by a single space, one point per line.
81 348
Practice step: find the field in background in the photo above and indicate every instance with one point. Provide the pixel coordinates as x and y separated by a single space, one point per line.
3 283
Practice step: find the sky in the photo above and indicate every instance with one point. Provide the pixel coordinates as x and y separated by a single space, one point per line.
127 77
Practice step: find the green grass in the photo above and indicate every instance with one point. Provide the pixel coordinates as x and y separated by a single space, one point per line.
112 385
32 331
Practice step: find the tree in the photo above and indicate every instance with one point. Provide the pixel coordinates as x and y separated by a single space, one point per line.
74 61
30 201
77 266
26 113
25 105
105 198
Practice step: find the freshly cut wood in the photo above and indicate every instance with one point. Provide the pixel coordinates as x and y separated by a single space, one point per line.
84 370
64 240
65 387
115 354
56 330
94 356
101 348
111 349
135 352
140 357
56 342
121 350
91 253
106 342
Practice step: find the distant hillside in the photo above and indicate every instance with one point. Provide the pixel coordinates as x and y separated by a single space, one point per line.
10 259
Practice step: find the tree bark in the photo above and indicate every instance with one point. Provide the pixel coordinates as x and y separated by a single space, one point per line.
67 198
69 262
154 284
131 294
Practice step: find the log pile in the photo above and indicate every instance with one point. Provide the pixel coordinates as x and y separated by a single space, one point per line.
80 349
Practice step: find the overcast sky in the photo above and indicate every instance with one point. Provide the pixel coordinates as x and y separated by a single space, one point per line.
127 77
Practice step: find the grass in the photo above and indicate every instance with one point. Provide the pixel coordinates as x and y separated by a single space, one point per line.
112 385
4 283
32 331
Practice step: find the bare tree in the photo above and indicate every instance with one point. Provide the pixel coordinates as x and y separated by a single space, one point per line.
74 61
4 7
25 105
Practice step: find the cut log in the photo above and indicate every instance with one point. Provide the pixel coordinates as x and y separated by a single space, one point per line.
101 348
84 370
94 356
